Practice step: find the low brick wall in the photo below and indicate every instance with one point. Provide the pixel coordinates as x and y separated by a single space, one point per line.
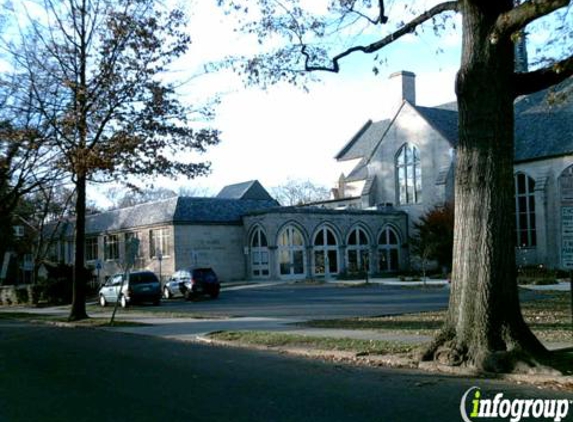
18 295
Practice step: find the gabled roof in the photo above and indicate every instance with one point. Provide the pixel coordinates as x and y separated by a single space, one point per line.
364 142
544 123
246 190
442 120
177 210
543 128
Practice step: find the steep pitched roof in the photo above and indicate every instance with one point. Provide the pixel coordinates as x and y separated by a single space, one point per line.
363 143
544 123
442 120
543 128
246 190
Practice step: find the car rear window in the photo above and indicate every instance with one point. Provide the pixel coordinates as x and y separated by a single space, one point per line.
143 278
205 274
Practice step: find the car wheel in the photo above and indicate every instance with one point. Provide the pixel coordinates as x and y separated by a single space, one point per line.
214 295
166 293
123 302
102 301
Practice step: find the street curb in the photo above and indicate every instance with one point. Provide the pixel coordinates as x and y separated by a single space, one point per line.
559 382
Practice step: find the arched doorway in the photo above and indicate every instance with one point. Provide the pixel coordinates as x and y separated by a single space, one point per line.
388 250
260 267
325 252
292 254
358 251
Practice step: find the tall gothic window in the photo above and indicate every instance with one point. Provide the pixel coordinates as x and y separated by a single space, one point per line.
525 211
409 175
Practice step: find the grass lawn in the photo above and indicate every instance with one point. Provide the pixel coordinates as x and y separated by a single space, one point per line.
548 314
277 339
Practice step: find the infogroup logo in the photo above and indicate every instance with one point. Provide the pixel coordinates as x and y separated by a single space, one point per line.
512 409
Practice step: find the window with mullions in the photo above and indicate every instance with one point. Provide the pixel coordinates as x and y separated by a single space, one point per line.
325 249
525 211
111 247
358 251
388 251
260 254
159 243
409 175
91 249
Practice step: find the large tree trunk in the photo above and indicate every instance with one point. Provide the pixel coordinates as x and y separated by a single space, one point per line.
78 311
484 327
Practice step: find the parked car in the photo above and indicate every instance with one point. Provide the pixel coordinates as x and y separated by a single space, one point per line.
142 286
191 283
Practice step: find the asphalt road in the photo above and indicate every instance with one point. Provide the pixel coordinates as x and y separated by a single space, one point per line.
316 302
59 374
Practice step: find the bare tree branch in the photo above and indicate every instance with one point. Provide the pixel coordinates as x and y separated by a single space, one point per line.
528 83
371 48
518 17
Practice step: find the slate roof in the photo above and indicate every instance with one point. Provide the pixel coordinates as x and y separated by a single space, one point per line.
246 190
364 142
543 128
444 121
177 210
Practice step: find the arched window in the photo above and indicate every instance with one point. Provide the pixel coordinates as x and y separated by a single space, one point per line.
525 211
409 175
325 252
358 251
388 251
291 253
259 254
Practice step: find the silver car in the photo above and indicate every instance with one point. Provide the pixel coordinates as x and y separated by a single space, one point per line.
142 286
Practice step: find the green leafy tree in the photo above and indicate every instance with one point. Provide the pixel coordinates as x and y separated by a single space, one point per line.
484 328
93 71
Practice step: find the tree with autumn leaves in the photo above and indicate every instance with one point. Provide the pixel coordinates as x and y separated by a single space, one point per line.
93 75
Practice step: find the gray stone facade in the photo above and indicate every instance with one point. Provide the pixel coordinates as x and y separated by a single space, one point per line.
331 242
543 152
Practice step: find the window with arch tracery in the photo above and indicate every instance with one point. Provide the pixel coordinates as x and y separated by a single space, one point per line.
291 251
325 252
388 250
525 211
358 251
409 175
259 254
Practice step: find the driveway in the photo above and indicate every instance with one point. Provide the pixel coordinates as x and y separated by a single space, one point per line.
278 307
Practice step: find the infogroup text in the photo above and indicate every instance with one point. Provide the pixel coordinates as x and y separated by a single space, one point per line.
512 409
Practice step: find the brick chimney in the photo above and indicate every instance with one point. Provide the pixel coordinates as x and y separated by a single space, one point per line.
403 86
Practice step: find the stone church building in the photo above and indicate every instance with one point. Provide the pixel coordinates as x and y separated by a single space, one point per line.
402 166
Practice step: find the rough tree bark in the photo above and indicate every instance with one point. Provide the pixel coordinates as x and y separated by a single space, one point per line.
484 326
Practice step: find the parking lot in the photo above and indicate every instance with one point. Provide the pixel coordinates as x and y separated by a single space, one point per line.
298 301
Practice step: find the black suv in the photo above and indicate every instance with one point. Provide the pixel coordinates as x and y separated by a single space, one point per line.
193 282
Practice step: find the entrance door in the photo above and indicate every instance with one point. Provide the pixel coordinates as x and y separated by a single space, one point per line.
292 255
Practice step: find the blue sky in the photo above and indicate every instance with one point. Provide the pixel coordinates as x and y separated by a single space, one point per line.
284 132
